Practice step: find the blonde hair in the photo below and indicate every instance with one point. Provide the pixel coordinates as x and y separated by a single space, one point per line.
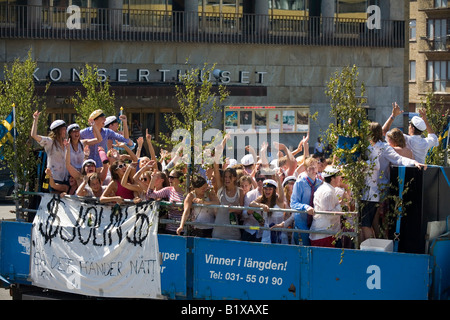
310 161
396 136
300 160
245 178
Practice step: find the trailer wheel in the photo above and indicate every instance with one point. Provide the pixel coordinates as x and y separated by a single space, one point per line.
15 292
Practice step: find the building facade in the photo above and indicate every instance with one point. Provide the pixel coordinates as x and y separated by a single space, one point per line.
275 57
429 61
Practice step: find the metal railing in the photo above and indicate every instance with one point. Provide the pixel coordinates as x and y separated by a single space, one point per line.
353 234
436 43
92 200
38 22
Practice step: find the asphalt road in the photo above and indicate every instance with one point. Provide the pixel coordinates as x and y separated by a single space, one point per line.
5 208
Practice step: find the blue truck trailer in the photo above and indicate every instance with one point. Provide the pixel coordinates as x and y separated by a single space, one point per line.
193 268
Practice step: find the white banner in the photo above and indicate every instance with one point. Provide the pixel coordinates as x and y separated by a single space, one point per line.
96 250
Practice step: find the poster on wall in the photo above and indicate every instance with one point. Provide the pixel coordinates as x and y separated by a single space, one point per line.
231 120
285 119
303 120
246 120
96 250
260 120
274 120
288 120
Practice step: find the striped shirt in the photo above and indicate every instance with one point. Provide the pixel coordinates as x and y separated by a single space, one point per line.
174 213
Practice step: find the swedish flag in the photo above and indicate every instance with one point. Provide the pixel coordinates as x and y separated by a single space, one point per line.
444 136
7 129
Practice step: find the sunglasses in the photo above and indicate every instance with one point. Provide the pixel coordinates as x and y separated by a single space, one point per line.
120 166
172 177
259 179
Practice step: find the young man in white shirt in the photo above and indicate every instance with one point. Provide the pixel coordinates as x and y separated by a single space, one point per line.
414 140
325 199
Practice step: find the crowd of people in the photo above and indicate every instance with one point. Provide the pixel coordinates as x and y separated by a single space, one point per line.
88 164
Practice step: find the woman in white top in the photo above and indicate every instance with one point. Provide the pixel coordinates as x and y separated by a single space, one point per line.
229 194
272 199
77 146
201 194
54 147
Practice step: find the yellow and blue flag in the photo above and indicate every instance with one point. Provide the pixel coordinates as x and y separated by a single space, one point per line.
7 129
444 136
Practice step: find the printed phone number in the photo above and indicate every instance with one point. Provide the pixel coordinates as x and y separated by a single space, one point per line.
250 278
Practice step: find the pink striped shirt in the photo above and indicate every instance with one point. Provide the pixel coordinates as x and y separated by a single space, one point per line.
174 213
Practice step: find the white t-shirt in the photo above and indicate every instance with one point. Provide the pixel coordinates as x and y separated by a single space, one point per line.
325 199
56 158
371 193
276 217
77 157
249 219
386 156
90 193
203 214
420 146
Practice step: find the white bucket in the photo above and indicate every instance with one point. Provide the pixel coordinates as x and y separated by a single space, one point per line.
377 245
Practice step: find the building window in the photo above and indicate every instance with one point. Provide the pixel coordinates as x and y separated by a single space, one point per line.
160 5
440 3
437 73
412 30
351 9
220 6
280 7
437 32
412 70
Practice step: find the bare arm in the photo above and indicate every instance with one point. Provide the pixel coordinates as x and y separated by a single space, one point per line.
217 158
81 191
56 186
72 171
97 137
127 149
423 114
292 163
109 194
280 191
124 120
150 145
186 212
395 112
34 134
128 185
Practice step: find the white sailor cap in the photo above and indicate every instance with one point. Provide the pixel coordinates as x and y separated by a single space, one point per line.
73 126
110 120
56 124
247 160
270 183
88 161
289 178
330 171
232 162
418 123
